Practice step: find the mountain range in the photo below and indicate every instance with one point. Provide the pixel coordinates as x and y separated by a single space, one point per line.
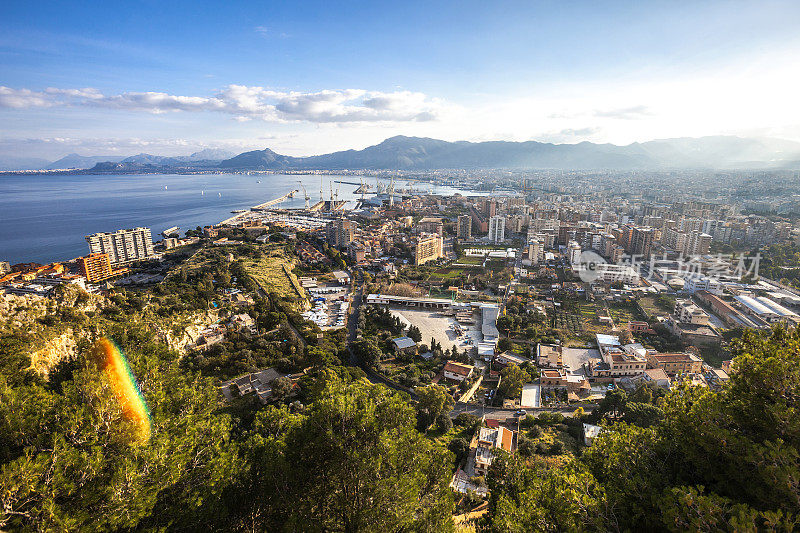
420 153
416 153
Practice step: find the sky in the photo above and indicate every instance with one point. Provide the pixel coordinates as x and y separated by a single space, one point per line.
303 78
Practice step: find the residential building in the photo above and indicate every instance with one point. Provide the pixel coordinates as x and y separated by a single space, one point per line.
675 363
549 355
340 232
497 228
428 247
701 283
656 376
122 246
431 225
456 371
464 227
573 252
96 267
642 241
405 345
505 359
560 379
5 267
617 360
689 312
356 252
490 439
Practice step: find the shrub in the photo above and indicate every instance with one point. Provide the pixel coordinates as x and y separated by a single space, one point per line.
443 422
478 481
459 447
525 447
466 420
557 448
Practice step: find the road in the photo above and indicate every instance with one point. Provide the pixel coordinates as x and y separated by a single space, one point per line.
502 414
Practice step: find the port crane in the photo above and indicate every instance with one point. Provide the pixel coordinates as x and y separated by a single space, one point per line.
305 193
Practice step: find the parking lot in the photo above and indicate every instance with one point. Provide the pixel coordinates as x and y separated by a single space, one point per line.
433 324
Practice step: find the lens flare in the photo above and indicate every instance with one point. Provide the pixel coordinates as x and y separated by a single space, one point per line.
112 361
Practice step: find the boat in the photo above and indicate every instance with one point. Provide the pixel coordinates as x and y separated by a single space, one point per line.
237 211
202 193
258 181
220 194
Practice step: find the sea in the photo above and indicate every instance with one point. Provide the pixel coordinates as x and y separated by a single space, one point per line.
46 217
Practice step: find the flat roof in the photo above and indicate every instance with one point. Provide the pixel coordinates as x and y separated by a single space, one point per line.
754 305
404 342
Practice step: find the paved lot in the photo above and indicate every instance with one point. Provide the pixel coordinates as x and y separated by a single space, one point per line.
575 357
432 324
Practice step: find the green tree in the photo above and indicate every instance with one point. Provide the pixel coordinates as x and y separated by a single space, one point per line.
433 400
512 378
542 498
414 333
360 465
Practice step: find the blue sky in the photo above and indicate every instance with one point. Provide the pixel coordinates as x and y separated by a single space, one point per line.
310 77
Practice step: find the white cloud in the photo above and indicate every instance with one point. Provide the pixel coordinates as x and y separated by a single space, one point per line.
246 102
626 113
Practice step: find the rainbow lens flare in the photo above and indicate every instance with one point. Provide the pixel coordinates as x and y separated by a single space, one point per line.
112 361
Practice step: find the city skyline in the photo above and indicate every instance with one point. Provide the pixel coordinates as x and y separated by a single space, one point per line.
308 80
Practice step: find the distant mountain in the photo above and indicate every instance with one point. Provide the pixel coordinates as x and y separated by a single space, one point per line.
420 153
22 163
262 159
81 161
417 153
209 154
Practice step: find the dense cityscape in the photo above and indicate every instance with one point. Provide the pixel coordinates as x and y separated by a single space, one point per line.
399 267
529 320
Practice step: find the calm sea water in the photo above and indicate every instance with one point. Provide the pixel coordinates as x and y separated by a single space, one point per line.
45 218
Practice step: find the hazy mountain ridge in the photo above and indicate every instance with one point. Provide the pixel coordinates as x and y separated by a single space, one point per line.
422 153
419 153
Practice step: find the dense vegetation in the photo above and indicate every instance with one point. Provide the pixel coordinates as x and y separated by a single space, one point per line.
342 454
715 461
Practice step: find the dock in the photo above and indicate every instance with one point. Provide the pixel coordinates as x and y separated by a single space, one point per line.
267 205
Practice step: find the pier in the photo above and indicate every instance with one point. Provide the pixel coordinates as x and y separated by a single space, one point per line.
267 205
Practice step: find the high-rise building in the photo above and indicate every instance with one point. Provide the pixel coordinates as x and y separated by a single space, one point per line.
122 246
464 227
643 241
699 243
428 248
431 225
534 251
96 267
573 252
497 228
339 232
693 243
489 207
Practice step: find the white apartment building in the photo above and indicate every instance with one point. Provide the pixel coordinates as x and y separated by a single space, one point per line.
123 246
497 228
